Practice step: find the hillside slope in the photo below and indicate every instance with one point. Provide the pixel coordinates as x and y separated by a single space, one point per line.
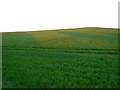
69 58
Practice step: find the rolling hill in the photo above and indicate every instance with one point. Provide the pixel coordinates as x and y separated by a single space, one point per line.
67 58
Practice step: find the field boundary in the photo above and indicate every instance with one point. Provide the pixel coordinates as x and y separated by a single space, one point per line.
91 51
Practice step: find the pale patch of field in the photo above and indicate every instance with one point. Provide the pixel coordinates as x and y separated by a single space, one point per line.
86 38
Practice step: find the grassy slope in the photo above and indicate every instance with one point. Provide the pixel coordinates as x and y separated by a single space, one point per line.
84 57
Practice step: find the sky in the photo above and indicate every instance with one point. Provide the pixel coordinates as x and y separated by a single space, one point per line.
29 15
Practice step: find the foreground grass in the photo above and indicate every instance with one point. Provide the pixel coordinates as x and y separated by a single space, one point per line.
78 58
33 67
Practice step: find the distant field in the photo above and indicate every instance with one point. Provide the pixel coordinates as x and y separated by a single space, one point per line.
70 58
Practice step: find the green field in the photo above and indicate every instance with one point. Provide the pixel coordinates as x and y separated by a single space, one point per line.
68 58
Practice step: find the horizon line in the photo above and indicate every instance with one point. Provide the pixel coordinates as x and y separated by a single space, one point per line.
58 29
